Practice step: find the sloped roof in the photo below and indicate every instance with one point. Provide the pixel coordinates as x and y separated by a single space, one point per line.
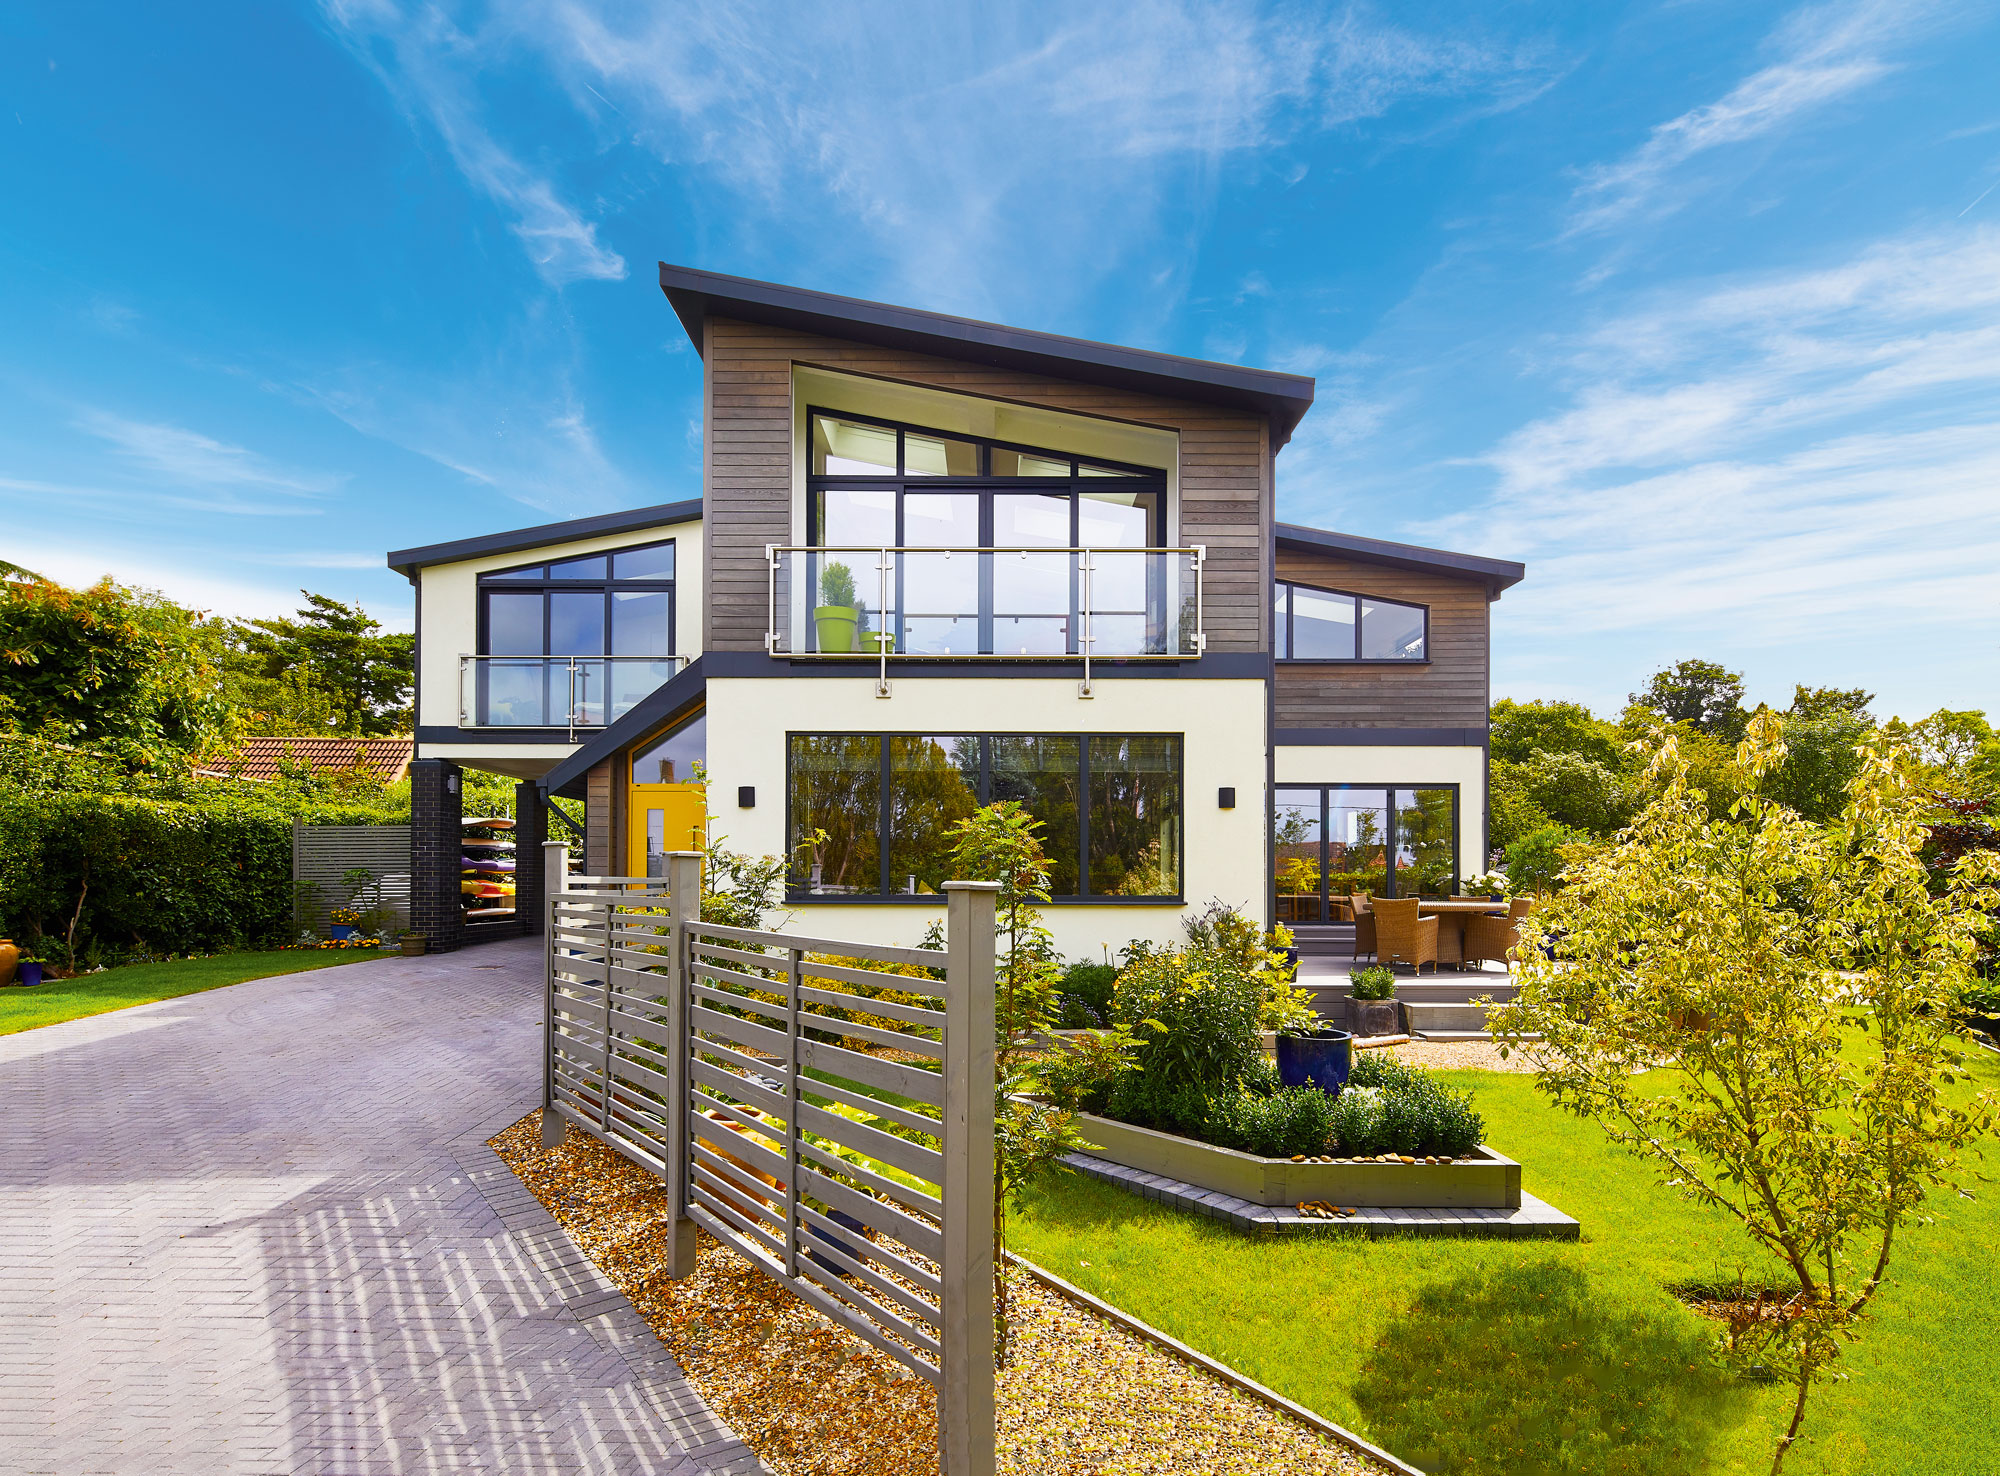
263 758
406 561
1495 574
695 294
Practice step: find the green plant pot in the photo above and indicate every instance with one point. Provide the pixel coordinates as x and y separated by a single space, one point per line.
834 625
875 642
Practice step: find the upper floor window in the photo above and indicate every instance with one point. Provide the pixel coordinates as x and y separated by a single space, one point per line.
619 603
1328 625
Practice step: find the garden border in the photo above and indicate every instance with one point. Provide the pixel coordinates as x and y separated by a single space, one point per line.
1097 1307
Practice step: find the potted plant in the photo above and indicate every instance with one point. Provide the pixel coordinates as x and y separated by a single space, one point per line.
1315 1054
346 923
9 956
1492 884
1371 1007
414 944
835 616
30 970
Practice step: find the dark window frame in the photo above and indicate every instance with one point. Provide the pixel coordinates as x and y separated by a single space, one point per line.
1281 637
888 898
1388 791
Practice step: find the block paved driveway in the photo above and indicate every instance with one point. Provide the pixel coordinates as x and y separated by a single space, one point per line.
258 1230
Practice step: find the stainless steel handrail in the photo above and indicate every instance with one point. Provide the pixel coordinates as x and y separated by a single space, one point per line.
574 716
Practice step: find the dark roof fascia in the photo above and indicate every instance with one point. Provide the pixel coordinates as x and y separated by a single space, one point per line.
695 295
687 687
1496 574
407 561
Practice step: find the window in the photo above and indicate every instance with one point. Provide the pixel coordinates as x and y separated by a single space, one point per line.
535 619
1327 625
672 760
1329 841
870 815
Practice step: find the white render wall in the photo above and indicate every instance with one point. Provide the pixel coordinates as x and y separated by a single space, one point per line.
1402 766
448 618
1223 727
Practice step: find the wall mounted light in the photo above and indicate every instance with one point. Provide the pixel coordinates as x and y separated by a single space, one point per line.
1225 799
746 796
451 784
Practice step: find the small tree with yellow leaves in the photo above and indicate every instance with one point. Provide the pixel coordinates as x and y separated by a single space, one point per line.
1796 984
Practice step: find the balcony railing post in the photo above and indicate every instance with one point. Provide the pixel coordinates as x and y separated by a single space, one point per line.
1088 634
882 636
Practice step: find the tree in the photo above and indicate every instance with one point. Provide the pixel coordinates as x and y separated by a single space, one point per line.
123 669
328 671
998 843
1520 730
1702 693
1822 756
1765 1008
1577 792
1821 702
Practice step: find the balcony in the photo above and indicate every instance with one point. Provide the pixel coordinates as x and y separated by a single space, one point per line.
567 692
1012 604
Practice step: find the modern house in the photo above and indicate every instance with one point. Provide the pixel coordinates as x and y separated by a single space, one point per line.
936 563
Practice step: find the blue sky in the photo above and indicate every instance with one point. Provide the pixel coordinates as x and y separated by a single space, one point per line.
1694 307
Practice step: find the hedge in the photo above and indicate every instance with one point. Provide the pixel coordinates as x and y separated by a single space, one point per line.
152 875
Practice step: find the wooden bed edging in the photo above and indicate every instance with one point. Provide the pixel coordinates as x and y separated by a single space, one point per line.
1098 1307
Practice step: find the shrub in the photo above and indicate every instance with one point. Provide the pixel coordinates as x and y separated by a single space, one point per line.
1289 1121
1195 1015
1400 1108
1092 983
1373 982
1357 1121
1073 1012
1078 1074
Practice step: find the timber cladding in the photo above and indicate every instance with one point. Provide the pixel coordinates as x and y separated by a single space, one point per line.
1224 475
1451 691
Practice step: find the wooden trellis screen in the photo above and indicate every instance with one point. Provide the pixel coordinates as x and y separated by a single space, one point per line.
815 1114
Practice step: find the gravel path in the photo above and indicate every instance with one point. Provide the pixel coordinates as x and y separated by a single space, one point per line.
1080 1398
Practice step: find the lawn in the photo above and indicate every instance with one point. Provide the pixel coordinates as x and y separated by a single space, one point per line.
1488 1356
136 984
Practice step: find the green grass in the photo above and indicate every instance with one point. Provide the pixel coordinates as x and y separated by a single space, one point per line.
115 989
1489 1356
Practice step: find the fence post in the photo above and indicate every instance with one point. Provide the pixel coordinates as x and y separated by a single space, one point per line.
684 905
555 881
965 1393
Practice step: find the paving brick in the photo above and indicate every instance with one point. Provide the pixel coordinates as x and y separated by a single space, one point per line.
258 1230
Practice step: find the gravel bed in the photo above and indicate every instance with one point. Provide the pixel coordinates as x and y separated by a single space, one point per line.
1461 1055
1080 1397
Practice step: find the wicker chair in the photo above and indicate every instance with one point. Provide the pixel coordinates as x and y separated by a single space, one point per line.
1492 938
1361 905
1403 937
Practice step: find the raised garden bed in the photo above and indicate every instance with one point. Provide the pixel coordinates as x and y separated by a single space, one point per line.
1482 1180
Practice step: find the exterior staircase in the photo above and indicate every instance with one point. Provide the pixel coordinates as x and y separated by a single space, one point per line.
1435 1007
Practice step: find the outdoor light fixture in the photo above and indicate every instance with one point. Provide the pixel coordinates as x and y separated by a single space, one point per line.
746 796
451 784
1225 799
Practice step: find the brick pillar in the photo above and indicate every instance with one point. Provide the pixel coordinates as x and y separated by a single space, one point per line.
531 828
436 808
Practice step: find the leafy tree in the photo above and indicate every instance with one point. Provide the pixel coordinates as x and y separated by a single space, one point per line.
1520 730
1822 756
1701 693
1765 1008
1512 813
329 671
998 843
1577 792
1821 702
123 669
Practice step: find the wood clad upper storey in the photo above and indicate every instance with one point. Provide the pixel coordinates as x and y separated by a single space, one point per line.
1225 486
1451 690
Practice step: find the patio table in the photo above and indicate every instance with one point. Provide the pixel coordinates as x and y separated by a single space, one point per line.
1451 918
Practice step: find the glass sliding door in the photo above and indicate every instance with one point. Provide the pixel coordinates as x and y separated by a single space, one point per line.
1297 821
1329 841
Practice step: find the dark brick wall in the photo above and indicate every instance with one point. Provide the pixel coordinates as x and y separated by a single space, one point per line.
531 828
436 808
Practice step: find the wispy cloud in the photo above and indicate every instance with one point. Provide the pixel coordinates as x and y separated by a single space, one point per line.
1825 53
927 154
186 458
1706 474
421 56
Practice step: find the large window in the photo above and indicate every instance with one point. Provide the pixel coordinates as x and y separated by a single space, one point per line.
1327 625
870 814
536 620
1329 841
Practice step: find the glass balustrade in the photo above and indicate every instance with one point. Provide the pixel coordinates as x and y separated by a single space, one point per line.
556 691
1013 603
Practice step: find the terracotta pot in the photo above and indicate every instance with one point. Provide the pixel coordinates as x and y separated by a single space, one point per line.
9 956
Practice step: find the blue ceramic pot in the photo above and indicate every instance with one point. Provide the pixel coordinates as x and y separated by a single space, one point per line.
846 1222
30 973
1320 1059
343 934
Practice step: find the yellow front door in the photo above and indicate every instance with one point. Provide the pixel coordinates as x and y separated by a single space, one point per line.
664 817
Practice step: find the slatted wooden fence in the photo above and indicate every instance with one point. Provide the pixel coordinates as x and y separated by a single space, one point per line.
829 1120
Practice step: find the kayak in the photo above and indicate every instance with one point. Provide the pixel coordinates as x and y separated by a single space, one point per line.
489 912
474 843
489 822
485 889
484 863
